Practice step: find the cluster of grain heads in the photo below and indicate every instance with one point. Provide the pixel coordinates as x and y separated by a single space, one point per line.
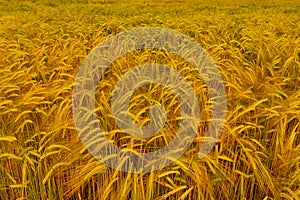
41 155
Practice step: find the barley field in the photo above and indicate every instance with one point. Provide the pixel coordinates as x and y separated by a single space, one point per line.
255 46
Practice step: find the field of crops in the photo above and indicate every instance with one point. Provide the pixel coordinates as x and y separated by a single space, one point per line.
256 47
